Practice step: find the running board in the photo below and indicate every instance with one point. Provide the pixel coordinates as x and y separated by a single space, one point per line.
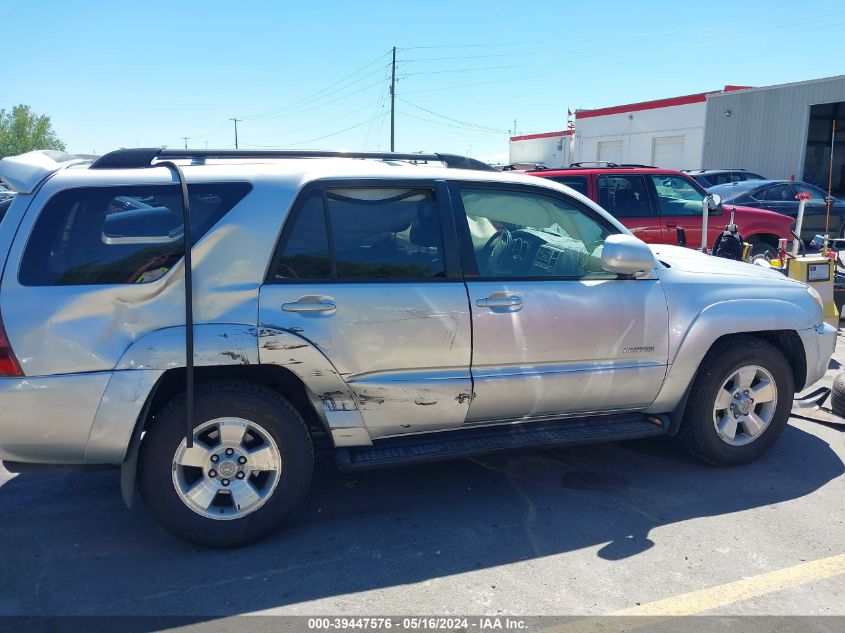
443 445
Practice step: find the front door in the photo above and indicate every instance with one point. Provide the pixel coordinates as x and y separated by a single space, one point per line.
553 334
679 201
363 275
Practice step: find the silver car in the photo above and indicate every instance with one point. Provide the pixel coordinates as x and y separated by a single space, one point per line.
387 308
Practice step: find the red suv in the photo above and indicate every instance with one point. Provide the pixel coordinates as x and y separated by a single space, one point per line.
653 203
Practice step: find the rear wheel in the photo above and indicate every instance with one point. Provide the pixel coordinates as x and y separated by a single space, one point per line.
739 403
761 249
251 462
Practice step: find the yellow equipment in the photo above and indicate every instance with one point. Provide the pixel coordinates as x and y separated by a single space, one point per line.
818 272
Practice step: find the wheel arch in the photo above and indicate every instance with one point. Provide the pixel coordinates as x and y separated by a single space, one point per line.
777 321
172 382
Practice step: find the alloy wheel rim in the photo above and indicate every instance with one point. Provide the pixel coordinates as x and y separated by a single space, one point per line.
232 469
745 405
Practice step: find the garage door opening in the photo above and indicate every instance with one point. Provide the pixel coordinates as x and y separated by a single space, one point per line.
817 154
610 152
668 152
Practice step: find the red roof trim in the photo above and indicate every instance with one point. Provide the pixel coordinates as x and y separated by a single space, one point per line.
700 97
528 137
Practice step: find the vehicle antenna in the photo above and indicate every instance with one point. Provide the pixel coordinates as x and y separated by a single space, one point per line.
830 178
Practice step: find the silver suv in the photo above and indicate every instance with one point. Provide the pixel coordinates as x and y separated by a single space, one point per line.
389 308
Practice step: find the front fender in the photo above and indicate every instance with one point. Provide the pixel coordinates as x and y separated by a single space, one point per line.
717 320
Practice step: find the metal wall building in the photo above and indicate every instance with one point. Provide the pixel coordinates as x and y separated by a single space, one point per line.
779 131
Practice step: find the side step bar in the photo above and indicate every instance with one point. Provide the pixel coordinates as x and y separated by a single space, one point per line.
443 445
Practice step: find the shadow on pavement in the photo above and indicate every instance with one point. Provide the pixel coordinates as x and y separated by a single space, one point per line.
70 547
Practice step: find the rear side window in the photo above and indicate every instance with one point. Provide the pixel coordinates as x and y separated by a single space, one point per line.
363 233
119 235
625 196
578 183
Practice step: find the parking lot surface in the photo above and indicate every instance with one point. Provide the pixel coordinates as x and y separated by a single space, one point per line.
633 527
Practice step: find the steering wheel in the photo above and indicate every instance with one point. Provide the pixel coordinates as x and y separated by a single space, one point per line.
495 249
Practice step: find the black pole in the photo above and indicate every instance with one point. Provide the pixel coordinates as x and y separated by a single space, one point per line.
392 99
236 131
189 304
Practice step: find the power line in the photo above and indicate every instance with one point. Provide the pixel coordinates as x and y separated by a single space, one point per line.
480 83
319 94
443 116
320 138
441 124
465 70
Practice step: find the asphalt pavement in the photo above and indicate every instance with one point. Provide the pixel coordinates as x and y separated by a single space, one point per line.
588 530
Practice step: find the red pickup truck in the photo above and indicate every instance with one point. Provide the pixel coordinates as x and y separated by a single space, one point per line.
654 203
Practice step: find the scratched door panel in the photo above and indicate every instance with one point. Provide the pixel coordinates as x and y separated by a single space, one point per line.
572 346
403 348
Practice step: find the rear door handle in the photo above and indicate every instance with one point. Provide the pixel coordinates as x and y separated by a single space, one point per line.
310 303
671 225
500 301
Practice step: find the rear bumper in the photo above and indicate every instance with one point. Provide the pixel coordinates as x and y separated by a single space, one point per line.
819 343
47 419
71 418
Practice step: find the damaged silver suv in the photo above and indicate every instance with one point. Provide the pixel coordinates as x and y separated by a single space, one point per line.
208 320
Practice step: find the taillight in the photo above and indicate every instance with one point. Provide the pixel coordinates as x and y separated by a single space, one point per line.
8 363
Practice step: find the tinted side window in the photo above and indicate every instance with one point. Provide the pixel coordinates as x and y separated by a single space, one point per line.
362 233
578 183
624 196
677 195
305 252
778 193
518 235
119 235
817 194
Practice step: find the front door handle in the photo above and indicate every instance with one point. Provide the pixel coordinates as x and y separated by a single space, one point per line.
503 300
671 225
310 303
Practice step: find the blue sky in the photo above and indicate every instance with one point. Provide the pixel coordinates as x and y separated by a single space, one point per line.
314 74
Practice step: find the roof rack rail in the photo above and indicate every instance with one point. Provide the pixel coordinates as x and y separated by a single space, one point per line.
607 165
144 157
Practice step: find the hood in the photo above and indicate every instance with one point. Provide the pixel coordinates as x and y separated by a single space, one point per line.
763 214
692 261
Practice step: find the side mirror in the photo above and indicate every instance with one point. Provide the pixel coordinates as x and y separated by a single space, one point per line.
626 255
714 201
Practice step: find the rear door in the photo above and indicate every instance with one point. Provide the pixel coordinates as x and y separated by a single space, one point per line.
815 211
626 197
364 272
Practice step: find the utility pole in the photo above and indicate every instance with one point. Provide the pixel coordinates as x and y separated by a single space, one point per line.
186 139
236 131
392 99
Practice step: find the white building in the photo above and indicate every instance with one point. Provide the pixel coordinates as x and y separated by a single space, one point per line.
665 132
552 149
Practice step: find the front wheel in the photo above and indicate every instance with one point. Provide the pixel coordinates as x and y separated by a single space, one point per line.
739 403
251 462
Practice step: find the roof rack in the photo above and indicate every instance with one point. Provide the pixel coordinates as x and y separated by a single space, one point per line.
144 157
604 164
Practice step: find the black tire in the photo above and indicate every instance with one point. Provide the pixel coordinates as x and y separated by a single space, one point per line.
761 248
698 434
837 395
226 398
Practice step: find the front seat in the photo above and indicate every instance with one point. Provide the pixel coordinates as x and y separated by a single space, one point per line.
625 203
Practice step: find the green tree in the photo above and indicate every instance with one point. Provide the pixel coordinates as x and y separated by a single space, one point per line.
21 130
